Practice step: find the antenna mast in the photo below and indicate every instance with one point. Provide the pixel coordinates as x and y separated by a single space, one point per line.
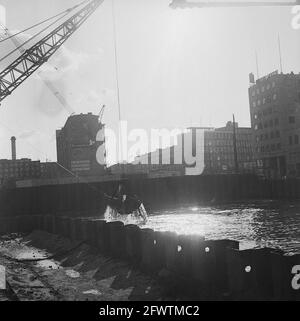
280 55
257 67
236 164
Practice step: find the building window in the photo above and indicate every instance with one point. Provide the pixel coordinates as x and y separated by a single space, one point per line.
292 119
274 96
273 84
296 139
277 133
264 101
258 103
254 104
276 121
268 86
263 89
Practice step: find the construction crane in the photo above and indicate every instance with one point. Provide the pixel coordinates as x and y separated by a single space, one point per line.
207 4
33 58
101 114
41 73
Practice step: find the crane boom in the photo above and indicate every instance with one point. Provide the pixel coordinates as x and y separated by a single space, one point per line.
24 66
40 73
215 4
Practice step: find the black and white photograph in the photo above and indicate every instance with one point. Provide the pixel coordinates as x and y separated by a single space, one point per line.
149 154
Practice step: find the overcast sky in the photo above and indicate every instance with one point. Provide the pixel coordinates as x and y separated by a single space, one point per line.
177 68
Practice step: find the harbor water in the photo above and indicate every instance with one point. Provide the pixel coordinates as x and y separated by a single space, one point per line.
256 224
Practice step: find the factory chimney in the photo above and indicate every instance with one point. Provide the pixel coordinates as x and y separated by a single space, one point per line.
13 148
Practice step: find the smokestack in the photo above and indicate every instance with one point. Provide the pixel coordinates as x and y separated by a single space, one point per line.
13 148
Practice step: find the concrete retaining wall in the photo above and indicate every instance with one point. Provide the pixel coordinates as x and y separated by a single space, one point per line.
214 267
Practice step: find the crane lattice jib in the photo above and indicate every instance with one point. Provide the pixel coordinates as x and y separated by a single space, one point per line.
41 74
24 66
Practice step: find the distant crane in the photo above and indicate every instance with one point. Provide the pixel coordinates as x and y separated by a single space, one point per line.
101 114
207 4
33 58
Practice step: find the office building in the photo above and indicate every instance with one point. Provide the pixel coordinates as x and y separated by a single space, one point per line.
275 121
78 143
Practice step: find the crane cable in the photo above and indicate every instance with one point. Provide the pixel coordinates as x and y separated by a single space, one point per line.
42 22
33 37
37 34
116 59
117 78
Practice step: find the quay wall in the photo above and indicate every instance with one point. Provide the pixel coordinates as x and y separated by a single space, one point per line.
188 264
86 199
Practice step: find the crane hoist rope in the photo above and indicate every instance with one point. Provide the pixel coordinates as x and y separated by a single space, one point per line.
42 22
116 59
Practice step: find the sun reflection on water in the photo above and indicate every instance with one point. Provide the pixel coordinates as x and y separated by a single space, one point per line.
259 224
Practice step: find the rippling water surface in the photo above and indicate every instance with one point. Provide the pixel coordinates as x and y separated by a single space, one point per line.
256 224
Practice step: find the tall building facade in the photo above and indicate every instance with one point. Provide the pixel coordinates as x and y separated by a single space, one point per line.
78 143
219 155
275 121
216 149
